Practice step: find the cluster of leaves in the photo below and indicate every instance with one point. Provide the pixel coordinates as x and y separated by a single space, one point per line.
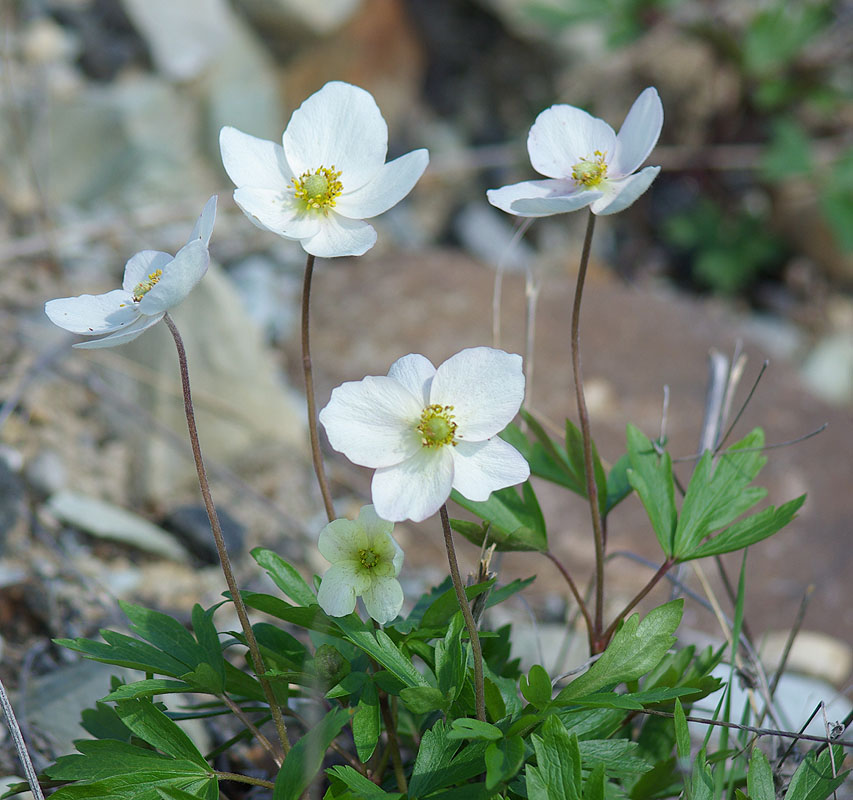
706 525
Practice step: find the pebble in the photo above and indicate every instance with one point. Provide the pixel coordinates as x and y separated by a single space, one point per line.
46 473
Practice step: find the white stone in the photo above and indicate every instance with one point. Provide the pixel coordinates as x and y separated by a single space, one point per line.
107 521
184 36
828 370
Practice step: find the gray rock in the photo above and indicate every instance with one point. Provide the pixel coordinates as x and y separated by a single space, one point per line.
241 401
296 19
191 527
12 505
828 370
107 521
271 297
46 473
184 37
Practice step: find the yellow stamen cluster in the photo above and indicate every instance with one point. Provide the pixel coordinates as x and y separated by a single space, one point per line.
368 558
318 189
590 172
437 427
143 287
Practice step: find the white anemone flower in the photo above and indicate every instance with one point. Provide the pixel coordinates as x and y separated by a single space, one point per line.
365 562
153 283
587 163
427 431
327 178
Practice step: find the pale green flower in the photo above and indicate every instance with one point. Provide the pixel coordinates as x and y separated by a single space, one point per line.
365 562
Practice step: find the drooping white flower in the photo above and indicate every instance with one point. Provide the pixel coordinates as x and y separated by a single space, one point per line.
329 176
586 162
153 283
365 562
427 431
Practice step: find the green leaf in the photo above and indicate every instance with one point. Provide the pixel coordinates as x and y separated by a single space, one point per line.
620 758
381 649
594 788
126 651
702 784
148 688
557 774
651 477
165 633
305 758
423 699
313 618
682 734
813 779
635 648
438 764
208 639
748 531
547 458
503 759
102 722
442 609
717 493
150 724
574 451
366 725
515 521
171 793
360 786
789 152
284 648
285 576
536 688
759 779
618 485
451 660
467 728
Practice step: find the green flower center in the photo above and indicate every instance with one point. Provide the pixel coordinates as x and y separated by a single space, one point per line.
437 427
319 189
143 287
590 172
368 558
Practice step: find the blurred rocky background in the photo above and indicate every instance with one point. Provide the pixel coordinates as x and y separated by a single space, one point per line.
109 116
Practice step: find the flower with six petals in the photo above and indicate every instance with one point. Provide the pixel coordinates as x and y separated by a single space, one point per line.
327 177
585 161
426 431
153 283
365 562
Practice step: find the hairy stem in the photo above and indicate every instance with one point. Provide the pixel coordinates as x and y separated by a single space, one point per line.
393 742
479 686
224 560
653 581
583 418
244 718
574 589
316 454
237 778
20 745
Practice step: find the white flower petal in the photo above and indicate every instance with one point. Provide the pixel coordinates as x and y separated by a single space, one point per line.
140 266
387 188
638 135
625 191
562 136
203 228
339 236
250 161
415 372
373 422
178 280
541 198
480 468
122 336
384 599
485 387
93 314
341 540
376 529
415 489
275 211
337 592
339 126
